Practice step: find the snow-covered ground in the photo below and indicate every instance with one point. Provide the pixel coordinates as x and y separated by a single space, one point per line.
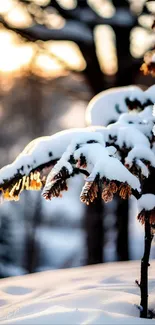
101 294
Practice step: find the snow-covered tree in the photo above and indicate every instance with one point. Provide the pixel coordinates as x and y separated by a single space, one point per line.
115 159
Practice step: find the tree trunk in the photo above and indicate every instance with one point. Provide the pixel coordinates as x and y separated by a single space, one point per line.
35 127
122 230
92 72
144 268
32 223
94 232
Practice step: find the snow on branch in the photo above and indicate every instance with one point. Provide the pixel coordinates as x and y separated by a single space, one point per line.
31 167
96 160
66 166
107 174
146 203
107 106
115 159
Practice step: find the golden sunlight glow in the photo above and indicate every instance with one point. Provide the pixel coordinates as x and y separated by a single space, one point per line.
106 49
47 60
146 20
137 6
37 12
104 8
67 4
13 56
151 6
141 41
7 37
46 66
6 5
67 52
18 16
41 2
53 19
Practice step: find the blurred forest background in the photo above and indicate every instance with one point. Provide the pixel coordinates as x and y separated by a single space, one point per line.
54 57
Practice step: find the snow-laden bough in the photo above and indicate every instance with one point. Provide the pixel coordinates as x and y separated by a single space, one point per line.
114 159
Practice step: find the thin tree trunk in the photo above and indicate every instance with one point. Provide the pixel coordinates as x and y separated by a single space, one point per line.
122 230
94 232
32 223
92 72
35 128
144 268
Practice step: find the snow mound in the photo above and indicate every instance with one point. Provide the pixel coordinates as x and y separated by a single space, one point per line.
103 294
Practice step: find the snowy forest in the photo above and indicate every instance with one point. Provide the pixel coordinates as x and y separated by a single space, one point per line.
77 160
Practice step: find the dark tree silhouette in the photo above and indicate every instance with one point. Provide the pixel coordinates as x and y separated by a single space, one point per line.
80 23
7 257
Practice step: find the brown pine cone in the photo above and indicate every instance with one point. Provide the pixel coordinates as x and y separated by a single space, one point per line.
55 188
141 217
125 191
89 192
107 194
113 187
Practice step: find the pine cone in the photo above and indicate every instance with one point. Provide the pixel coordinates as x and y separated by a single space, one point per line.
54 189
89 192
113 187
56 184
125 191
107 194
141 218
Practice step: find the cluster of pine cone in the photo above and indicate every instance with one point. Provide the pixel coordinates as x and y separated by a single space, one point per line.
142 215
106 188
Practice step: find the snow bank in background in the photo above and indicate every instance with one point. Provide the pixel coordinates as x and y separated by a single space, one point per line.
103 294
146 202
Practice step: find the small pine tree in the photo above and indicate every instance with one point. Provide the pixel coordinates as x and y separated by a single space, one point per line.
116 160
